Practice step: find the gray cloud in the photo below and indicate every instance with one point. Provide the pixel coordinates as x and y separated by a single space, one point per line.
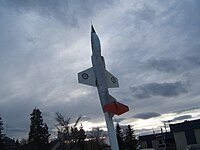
179 118
43 44
118 120
144 131
169 65
147 115
159 89
85 118
69 12
165 65
187 109
184 117
15 129
194 60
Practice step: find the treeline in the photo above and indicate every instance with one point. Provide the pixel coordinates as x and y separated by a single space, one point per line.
126 138
70 136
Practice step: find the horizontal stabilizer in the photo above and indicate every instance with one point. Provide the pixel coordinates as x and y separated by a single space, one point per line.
116 108
87 77
112 81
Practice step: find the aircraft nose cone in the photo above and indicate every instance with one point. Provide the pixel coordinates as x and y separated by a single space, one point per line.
92 29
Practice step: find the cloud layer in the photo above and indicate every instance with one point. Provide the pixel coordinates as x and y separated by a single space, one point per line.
147 115
159 89
151 46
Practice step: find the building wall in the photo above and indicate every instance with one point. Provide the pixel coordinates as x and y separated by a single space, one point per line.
144 144
197 135
180 140
155 143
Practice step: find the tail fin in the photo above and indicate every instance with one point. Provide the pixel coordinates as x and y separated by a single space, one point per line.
115 107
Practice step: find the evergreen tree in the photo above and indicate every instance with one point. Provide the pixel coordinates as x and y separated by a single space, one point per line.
17 143
46 134
130 140
38 135
119 135
81 138
1 134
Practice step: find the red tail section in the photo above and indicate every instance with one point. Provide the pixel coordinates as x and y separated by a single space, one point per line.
116 108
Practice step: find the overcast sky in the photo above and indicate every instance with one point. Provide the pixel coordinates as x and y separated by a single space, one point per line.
153 47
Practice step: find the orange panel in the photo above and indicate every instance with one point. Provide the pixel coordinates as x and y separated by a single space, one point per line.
116 108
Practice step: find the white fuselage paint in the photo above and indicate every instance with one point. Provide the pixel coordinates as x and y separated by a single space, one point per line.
99 71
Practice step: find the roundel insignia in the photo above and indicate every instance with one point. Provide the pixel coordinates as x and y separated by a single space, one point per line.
85 76
113 79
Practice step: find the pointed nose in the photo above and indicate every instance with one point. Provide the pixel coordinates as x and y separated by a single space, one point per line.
92 29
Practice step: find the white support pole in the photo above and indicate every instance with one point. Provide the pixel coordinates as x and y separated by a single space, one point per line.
111 132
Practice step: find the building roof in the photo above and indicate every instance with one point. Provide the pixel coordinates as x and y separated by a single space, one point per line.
186 125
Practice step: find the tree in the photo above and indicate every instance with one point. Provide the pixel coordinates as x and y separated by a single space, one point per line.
130 140
81 138
23 141
69 135
1 134
96 138
38 135
17 143
119 135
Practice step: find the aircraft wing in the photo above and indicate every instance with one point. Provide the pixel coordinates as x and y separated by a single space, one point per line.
112 81
87 77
